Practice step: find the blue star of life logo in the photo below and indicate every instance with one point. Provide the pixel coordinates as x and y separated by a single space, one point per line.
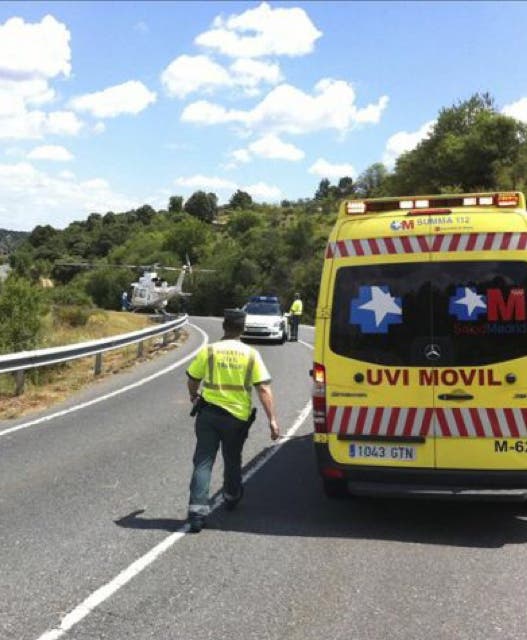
375 309
467 304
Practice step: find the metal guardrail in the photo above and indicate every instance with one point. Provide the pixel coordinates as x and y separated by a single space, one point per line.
21 361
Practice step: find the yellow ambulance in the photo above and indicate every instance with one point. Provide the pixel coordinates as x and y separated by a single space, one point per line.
420 360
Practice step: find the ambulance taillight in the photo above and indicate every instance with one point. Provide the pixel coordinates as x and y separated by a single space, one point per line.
319 398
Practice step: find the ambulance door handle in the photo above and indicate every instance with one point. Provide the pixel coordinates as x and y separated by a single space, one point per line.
455 396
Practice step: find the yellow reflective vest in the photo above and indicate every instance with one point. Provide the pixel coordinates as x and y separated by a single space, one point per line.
228 370
296 307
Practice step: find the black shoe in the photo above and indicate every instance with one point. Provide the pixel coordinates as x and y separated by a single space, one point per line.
231 503
196 523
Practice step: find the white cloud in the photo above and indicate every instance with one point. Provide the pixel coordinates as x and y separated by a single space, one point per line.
287 109
37 124
241 156
189 74
263 191
404 141
249 74
30 55
271 147
517 109
31 197
206 183
129 97
325 169
99 127
34 50
259 190
50 152
262 31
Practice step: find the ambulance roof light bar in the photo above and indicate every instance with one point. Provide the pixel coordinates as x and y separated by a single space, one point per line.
501 199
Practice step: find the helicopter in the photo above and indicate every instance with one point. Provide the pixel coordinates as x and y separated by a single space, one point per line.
150 292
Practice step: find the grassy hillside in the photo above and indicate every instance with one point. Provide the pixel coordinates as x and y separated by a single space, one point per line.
53 384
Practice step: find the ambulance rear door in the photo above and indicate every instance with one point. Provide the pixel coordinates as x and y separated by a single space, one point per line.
480 339
380 323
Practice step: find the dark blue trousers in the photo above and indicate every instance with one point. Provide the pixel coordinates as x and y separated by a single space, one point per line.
214 427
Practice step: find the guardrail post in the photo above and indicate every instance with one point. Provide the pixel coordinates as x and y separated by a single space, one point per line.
20 379
140 349
165 339
98 364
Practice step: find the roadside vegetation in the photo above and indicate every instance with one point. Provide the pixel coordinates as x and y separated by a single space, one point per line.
251 248
49 385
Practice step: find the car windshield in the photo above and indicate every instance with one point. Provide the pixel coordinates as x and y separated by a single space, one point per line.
474 312
263 309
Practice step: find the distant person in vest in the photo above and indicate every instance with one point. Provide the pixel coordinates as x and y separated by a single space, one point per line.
294 318
227 370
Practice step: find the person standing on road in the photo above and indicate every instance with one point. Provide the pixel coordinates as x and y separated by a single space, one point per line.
228 369
294 316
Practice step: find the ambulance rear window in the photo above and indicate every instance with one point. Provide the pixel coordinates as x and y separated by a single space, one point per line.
474 313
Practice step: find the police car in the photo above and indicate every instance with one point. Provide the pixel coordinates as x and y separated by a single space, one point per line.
265 319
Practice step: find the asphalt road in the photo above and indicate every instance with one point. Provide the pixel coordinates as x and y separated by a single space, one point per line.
92 543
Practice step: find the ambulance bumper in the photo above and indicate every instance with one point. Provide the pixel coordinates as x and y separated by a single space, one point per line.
447 484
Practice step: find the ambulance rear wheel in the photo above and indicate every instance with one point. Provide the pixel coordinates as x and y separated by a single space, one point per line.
334 488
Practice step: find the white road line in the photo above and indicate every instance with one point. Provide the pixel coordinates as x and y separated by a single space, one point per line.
107 396
107 590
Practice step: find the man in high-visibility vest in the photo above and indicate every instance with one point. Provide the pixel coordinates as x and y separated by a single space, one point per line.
294 316
227 370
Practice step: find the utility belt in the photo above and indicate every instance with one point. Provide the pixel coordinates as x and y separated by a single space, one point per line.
201 404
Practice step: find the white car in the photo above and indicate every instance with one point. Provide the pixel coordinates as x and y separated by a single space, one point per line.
265 320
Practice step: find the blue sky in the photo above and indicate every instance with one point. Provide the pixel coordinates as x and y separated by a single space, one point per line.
111 105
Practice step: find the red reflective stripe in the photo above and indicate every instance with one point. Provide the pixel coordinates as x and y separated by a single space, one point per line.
460 424
409 423
494 423
511 422
393 421
427 420
329 251
376 424
330 419
454 242
357 245
443 424
343 249
472 241
406 244
344 421
489 239
390 245
476 421
436 244
359 422
522 244
374 246
423 244
506 240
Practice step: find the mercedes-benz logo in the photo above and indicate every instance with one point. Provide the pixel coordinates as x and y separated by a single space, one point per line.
432 352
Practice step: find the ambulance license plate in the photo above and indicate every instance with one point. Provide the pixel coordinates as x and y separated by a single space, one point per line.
400 452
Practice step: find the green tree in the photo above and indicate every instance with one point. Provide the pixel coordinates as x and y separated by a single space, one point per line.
468 146
203 206
323 189
346 187
240 200
21 310
189 237
370 182
175 204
